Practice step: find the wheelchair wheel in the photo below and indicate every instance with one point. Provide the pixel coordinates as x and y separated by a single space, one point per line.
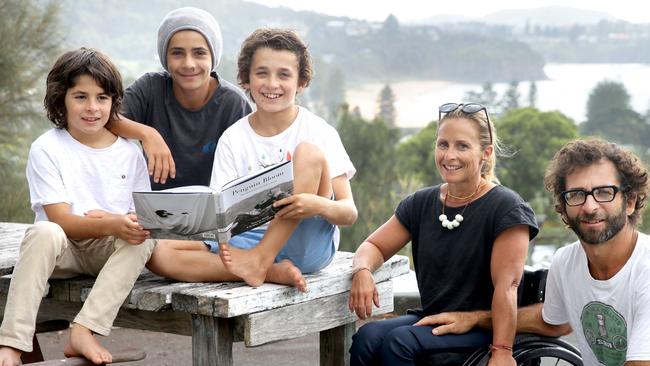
548 356
533 350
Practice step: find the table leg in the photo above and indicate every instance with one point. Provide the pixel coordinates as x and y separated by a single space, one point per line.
335 344
211 341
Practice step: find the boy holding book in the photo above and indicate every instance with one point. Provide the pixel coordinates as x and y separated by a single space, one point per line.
80 179
274 66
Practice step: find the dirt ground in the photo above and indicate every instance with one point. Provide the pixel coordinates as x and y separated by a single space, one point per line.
173 350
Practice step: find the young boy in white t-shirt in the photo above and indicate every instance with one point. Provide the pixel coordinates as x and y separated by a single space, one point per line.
274 66
81 177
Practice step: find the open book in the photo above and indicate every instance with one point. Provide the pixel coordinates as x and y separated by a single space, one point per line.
200 213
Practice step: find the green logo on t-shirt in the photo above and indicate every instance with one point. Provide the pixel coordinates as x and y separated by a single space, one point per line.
606 332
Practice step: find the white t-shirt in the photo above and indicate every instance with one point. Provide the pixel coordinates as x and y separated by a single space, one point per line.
610 318
60 169
241 151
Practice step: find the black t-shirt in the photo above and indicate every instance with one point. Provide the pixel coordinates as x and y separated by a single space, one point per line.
453 266
191 135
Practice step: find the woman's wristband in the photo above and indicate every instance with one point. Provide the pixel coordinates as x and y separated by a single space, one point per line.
495 347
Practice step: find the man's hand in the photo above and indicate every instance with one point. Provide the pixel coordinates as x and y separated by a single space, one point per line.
160 162
457 322
363 294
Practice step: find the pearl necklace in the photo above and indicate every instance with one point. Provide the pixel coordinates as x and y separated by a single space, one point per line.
459 217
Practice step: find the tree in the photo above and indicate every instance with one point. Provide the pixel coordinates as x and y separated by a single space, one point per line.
610 115
371 147
390 25
534 137
487 96
511 97
386 104
29 41
532 94
417 167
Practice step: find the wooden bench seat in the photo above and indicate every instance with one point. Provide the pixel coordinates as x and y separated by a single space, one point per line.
217 314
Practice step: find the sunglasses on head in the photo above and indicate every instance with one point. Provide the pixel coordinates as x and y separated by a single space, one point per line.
469 108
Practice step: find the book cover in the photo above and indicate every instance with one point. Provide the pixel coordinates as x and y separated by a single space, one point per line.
200 213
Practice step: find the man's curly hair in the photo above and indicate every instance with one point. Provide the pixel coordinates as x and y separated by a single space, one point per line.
580 154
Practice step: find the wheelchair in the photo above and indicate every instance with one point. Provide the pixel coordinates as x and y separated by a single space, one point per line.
528 349
533 350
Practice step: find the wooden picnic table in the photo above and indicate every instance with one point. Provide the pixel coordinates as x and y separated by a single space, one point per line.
218 314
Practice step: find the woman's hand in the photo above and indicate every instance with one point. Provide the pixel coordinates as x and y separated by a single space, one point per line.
299 206
363 294
160 162
501 357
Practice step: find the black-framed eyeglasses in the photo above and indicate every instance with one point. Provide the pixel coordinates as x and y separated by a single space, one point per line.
577 197
467 108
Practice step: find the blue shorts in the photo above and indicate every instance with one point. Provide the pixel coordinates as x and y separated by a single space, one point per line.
311 247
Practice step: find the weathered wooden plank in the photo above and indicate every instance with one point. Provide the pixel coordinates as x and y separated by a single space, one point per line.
334 345
211 341
216 299
11 234
309 317
240 300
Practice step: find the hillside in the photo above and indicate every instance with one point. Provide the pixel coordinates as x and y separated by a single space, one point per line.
557 16
363 51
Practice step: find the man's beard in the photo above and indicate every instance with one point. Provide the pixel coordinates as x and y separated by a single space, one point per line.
613 225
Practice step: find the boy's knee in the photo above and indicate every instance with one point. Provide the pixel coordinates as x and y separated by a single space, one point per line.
45 229
45 235
308 153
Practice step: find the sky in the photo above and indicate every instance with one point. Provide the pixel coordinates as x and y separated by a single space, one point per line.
629 10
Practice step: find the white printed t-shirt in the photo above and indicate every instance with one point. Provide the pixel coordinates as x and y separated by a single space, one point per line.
60 169
241 151
611 318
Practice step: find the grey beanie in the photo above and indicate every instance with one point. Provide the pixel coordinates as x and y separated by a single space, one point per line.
190 18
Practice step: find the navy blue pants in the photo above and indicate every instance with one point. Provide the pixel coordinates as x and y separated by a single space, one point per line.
397 342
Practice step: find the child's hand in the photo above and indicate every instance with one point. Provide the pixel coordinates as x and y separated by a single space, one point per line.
299 206
126 227
160 162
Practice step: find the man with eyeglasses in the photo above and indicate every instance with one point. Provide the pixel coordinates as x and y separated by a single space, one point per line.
598 286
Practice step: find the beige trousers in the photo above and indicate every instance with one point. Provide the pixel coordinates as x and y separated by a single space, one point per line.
45 253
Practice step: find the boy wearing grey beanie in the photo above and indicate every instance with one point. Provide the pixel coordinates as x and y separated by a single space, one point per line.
181 112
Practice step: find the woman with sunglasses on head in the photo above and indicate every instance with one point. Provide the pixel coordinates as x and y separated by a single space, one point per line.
469 241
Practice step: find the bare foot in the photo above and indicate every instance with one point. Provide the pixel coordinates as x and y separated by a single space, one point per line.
83 344
285 273
245 264
9 356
